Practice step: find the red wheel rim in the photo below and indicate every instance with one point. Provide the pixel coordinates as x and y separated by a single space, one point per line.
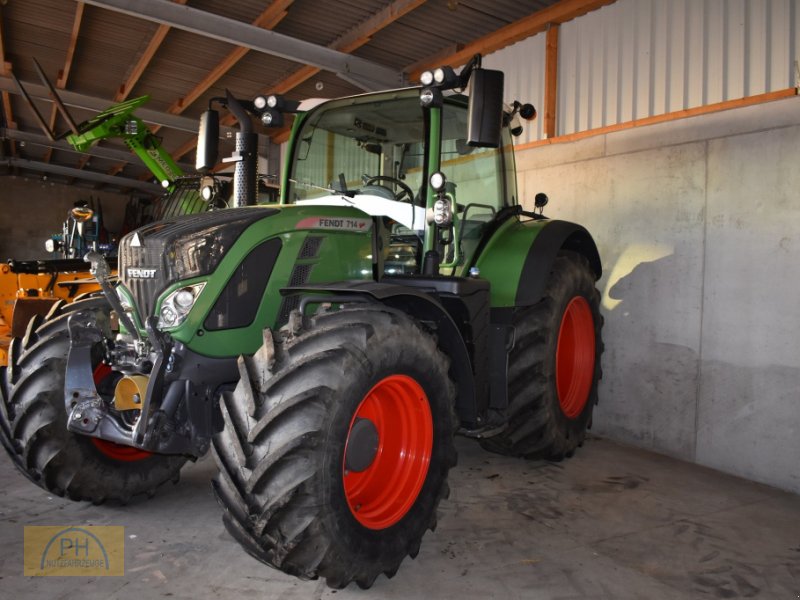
575 357
384 492
110 449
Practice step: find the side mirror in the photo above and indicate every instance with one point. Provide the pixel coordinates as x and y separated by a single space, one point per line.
485 108
207 141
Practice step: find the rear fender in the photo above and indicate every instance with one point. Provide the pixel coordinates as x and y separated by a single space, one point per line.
518 258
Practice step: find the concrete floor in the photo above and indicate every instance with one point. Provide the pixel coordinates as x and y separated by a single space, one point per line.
614 522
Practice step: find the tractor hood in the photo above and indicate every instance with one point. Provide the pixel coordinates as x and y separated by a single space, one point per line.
152 257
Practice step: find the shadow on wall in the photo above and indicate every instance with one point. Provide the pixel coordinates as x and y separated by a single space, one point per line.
648 394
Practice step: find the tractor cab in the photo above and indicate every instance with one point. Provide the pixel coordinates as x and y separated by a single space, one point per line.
379 153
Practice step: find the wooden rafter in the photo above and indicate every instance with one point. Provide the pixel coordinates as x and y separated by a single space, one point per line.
268 19
5 70
561 12
348 42
144 60
551 80
63 74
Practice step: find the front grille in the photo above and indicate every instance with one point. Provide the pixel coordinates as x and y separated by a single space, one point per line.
144 290
300 276
310 247
156 255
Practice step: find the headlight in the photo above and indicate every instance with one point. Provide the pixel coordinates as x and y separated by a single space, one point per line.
176 306
184 298
272 101
260 102
426 78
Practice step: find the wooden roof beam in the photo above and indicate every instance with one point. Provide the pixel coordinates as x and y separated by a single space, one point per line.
63 74
5 97
127 86
363 72
348 42
268 19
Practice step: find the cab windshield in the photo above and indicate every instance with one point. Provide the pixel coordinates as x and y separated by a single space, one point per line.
369 145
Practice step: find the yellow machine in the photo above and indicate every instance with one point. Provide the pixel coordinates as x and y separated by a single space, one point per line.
31 288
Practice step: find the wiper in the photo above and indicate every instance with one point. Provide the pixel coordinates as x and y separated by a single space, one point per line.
314 186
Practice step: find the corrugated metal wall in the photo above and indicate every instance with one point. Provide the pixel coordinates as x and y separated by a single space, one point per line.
640 58
523 64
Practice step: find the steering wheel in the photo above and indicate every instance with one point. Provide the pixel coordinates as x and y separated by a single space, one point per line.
405 195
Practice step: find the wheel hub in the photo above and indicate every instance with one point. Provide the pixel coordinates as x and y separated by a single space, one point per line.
362 446
575 357
388 451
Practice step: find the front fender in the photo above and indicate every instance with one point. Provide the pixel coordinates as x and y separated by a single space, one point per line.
424 307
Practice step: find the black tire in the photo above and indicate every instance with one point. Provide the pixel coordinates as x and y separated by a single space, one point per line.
540 423
33 424
282 482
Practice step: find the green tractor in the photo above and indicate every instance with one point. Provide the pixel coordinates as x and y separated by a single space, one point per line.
326 348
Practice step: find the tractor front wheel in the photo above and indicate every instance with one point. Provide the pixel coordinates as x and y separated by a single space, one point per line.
33 421
336 446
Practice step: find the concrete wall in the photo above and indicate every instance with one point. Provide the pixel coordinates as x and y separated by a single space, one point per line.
698 224
32 209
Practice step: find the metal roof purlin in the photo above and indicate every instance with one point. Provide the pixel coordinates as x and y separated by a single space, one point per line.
123 182
365 73
105 152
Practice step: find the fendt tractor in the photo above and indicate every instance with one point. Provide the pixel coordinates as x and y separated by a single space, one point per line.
328 347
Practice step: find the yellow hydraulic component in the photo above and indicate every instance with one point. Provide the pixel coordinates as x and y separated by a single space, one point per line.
130 392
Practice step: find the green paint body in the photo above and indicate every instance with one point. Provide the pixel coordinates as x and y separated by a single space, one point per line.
344 255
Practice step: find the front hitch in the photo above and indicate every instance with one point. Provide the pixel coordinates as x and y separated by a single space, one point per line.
176 415
87 412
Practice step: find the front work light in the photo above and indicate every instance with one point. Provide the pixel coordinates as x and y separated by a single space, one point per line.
438 181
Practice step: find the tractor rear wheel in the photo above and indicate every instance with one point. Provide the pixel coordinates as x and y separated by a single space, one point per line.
554 367
336 446
33 422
